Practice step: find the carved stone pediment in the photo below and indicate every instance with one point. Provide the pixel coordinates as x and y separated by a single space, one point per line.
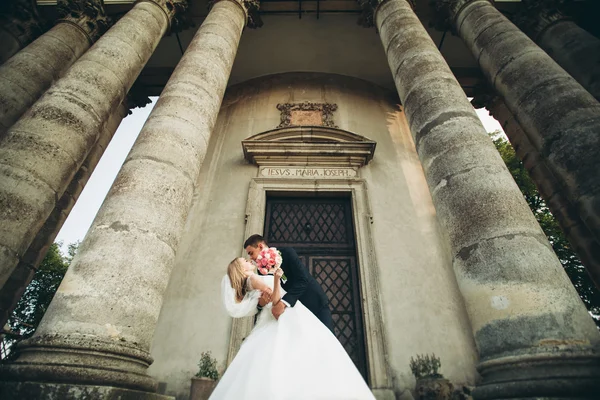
308 145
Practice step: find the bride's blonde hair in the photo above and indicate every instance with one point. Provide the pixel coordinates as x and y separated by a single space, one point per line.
236 274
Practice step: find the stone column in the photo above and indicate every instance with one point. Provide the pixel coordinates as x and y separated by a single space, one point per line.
19 26
15 286
572 47
533 333
41 153
560 118
579 236
106 308
30 72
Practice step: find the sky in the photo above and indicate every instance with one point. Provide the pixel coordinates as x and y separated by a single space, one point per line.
81 217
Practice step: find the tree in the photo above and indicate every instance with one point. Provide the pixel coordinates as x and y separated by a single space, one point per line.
37 297
568 258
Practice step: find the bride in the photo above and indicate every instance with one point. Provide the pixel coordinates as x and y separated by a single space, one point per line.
294 357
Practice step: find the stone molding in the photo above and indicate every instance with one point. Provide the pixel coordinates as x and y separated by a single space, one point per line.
379 377
87 15
77 359
326 109
309 145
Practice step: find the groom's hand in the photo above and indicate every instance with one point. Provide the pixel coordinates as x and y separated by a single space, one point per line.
278 309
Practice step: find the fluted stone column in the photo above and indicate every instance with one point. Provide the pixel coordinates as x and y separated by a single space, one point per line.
15 286
561 119
41 153
579 236
571 46
532 331
19 26
30 72
110 298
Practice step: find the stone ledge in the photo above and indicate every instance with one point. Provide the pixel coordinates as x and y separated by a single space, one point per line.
36 390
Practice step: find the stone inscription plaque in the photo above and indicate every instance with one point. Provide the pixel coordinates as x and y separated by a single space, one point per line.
305 118
307 172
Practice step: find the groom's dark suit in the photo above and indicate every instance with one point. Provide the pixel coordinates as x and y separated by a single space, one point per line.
300 285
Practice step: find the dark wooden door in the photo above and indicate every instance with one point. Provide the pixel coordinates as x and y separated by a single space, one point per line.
322 233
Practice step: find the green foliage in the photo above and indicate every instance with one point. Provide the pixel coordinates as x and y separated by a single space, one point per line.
425 366
37 297
568 258
207 367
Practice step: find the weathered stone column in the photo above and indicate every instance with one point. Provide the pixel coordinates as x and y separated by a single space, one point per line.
30 72
41 153
19 26
579 236
104 313
15 286
533 333
572 47
561 119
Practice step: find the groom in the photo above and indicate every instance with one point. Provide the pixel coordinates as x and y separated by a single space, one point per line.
300 285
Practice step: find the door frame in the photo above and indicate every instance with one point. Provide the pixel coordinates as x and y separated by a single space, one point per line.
368 271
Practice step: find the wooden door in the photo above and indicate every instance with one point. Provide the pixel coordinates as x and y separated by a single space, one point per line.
321 231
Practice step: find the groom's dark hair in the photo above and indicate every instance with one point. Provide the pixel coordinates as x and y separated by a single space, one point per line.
254 240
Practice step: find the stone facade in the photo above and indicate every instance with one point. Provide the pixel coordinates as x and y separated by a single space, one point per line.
450 260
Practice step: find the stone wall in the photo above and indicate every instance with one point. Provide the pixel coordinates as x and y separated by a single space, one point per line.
423 309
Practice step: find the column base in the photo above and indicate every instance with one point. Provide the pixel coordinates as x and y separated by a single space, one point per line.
81 360
573 375
65 391
384 394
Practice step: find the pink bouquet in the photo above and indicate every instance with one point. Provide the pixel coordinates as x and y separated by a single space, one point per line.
268 260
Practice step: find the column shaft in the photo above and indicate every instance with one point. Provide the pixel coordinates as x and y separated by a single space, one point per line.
524 312
41 153
23 274
561 119
576 50
572 47
110 298
30 72
579 236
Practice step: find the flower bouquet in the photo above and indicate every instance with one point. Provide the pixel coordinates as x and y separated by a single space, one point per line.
268 261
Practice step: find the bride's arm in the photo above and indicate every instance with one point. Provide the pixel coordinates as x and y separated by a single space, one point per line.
258 284
277 286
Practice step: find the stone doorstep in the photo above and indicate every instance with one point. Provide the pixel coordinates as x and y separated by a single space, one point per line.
37 390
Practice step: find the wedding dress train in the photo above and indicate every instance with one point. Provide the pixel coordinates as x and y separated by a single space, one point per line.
293 358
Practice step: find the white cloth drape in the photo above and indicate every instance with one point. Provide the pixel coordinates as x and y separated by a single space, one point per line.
245 308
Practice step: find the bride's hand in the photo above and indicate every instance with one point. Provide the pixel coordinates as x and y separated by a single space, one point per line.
279 273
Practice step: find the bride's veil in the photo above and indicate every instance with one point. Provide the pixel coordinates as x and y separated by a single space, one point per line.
244 308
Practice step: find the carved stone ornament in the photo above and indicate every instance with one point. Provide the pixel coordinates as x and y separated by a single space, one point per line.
137 97
21 19
445 12
177 13
537 15
88 15
252 8
307 113
367 16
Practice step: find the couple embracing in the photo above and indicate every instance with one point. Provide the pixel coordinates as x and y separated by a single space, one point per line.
291 353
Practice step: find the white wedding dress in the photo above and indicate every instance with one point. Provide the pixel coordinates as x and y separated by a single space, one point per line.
295 357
